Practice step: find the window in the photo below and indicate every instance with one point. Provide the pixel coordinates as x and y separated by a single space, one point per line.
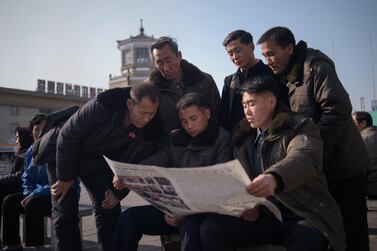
142 55
127 57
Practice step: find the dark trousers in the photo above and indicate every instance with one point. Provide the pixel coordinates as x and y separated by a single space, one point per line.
34 211
65 214
7 188
136 221
226 233
350 195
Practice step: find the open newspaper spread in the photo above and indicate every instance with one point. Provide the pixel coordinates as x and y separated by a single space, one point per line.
183 191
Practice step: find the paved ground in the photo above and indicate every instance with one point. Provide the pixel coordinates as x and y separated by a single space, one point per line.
152 243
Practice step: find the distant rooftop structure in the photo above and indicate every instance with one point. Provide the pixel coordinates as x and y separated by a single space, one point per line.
136 63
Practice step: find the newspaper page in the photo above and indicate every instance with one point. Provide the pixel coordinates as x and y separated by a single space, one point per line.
183 191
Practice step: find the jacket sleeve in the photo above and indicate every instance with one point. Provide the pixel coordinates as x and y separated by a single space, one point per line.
213 95
303 160
222 115
333 99
160 158
35 181
225 152
72 134
28 184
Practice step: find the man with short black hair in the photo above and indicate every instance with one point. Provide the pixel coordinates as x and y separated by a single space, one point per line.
281 151
240 49
117 123
176 77
200 142
316 91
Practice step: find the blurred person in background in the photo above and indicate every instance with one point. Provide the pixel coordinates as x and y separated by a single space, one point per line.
364 123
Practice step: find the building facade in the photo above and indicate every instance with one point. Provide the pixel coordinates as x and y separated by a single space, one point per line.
135 59
17 108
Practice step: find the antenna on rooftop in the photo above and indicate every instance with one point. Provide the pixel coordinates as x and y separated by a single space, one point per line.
371 63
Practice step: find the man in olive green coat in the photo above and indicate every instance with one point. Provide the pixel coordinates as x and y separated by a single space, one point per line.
282 153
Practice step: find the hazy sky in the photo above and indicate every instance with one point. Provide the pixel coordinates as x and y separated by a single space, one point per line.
74 41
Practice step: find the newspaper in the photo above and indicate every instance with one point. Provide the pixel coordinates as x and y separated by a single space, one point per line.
183 191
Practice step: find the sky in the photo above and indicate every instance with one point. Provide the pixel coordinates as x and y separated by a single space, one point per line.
74 41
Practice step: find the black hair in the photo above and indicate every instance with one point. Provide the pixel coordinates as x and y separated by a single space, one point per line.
244 36
145 89
282 36
162 41
363 116
192 99
261 84
38 119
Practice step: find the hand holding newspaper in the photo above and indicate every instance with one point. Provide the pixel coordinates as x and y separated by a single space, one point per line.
183 191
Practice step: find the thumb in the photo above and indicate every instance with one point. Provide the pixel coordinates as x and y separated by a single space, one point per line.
62 196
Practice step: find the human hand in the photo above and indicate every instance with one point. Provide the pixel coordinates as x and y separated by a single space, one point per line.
174 221
110 200
60 189
25 201
118 183
262 186
251 214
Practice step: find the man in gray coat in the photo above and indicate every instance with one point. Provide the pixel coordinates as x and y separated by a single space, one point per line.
118 123
315 90
175 77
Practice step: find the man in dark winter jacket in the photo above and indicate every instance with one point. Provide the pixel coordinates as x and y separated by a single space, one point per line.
316 91
364 123
282 153
119 123
240 49
175 77
200 142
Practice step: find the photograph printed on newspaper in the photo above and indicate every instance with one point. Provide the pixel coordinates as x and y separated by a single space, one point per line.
183 191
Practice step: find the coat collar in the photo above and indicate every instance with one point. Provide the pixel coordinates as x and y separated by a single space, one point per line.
191 74
295 67
179 137
282 121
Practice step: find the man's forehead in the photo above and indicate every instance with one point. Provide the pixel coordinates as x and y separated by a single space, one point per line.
248 96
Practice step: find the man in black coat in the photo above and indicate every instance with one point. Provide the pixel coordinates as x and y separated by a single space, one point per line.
240 49
176 77
119 123
200 142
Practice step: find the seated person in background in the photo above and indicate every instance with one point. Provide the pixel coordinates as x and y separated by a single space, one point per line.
200 142
282 153
33 202
364 123
12 183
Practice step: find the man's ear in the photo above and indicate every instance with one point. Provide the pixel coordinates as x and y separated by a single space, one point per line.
290 49
179 55
363 124
129 103
207 113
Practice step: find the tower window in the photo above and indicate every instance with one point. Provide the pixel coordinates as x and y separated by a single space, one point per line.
142 55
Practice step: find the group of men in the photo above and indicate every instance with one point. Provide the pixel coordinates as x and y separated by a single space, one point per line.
288 122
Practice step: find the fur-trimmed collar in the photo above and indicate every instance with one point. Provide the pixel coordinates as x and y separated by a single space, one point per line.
191 75
295 68
180 138
282 121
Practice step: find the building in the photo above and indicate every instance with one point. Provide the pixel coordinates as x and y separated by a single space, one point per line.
17 107
135 58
